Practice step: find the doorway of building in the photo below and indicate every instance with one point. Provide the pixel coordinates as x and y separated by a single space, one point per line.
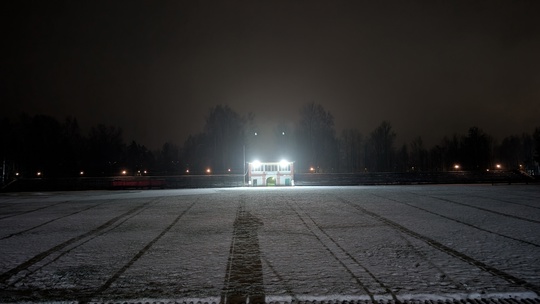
271 181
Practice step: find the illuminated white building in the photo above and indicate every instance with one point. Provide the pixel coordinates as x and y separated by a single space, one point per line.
271 173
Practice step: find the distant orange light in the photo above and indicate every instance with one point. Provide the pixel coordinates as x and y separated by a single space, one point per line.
124 172
311 169
208 170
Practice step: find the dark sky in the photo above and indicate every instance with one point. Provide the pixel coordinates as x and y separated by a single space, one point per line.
154 68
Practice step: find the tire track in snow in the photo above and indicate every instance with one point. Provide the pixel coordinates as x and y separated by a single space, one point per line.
288 288
6 276
109 229
458 221
343 252
504 201
51 221
139 254
480 208
33 210
450 251
425 258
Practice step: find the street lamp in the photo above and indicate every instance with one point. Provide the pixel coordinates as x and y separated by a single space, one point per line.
244 152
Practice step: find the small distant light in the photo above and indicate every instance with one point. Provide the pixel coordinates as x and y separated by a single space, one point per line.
282 133
145 171
311 169
487 170
17 174
124 172
229 170
498 166
255 134
187 170
39 174
208 170
456 166
81 173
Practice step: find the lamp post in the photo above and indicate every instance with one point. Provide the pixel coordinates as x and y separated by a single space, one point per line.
244 153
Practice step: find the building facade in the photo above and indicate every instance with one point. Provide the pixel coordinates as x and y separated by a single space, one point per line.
271 174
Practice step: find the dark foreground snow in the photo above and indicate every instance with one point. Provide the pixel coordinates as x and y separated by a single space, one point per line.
272 244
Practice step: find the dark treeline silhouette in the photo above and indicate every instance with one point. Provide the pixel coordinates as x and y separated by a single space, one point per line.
40 143
41 146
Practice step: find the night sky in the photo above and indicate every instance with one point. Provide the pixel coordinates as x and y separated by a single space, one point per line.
155 68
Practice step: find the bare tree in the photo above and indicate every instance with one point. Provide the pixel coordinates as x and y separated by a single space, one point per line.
351 151
225 131
381 147
477 149
317 145
418 155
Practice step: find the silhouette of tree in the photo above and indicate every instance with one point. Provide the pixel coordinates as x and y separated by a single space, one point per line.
418 155
317 144
169 159
351 151
225 129
477 150
403 159
381 147
196 154
106 150
73 145
139 158
536 138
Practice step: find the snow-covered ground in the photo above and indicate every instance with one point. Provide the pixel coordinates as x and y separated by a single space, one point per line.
272 244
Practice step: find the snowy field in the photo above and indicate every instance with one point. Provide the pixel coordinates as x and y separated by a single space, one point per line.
272 244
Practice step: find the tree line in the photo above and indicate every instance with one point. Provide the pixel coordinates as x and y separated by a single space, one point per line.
41 143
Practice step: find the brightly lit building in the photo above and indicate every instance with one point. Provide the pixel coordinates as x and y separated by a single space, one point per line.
271 173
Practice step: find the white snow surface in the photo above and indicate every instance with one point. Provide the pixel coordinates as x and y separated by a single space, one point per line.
433 242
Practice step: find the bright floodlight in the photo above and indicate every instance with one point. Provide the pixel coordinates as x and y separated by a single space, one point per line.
283 163
256 163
